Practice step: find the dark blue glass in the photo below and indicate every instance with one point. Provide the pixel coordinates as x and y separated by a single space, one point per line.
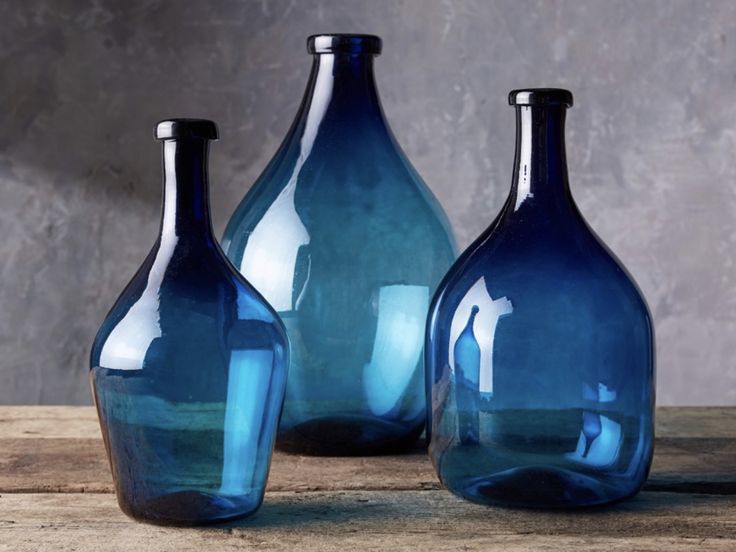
540 354
346 242
189 368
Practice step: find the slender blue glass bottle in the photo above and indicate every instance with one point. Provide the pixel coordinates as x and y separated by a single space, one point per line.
189 368
346 242
540 353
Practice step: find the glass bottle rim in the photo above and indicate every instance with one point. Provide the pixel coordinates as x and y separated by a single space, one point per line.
540 97
344 43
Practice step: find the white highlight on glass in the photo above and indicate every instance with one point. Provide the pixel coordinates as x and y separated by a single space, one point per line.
127 344
270 256
402 311
599 393
523 188
603 449
484 329
248 374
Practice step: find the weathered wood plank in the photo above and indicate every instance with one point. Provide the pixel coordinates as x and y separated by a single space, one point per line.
49 422
692 464
695 421
80 465
360 520
64 458
54 465
355 503
54 422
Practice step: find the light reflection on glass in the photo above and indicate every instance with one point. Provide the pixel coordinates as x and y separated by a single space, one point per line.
467 368
269 259
525 158
271 253
397 347
600 437
130 339
599 442
245 408
489 312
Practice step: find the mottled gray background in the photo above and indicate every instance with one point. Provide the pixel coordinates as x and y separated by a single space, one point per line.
651 146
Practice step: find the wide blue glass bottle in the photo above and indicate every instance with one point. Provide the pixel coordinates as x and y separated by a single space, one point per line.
189 368
540 354
346 242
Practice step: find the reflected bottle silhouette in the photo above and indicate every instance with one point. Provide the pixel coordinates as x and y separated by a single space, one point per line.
467 377
188 369
566 387
346 242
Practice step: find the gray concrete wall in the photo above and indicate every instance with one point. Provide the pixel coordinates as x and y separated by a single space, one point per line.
651 146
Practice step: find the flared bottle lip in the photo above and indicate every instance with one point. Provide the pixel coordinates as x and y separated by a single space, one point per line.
173 129
344 43
540 96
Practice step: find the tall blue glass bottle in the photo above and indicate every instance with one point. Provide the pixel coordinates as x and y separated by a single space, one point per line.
346 242
540 354
189 368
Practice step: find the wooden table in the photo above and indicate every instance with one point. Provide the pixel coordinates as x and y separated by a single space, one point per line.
56 494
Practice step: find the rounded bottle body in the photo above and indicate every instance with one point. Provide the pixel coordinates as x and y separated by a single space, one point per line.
540 352
188 372
346 242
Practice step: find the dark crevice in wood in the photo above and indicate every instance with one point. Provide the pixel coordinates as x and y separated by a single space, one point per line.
719 488
692 487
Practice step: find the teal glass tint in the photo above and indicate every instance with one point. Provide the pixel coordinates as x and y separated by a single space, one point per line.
344 239
189 368
540 354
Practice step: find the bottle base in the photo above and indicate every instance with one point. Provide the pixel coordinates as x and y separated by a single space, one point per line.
540 488
190 508
348 436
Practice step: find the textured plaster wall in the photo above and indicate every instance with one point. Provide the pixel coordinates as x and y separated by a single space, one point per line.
651 146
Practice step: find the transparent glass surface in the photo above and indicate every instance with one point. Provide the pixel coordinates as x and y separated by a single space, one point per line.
346 242
189 369
540 355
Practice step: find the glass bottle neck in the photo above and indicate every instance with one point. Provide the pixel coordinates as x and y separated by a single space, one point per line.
540 165
342 89
186 211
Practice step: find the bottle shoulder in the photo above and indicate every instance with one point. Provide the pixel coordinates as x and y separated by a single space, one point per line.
517 256
183 299
334 169
339 212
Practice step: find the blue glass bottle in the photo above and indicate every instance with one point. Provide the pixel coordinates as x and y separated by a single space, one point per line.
346 242
189 368
540 353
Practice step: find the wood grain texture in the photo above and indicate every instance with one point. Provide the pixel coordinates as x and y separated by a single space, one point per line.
59 449
56 494
377 520
52 422
49 422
